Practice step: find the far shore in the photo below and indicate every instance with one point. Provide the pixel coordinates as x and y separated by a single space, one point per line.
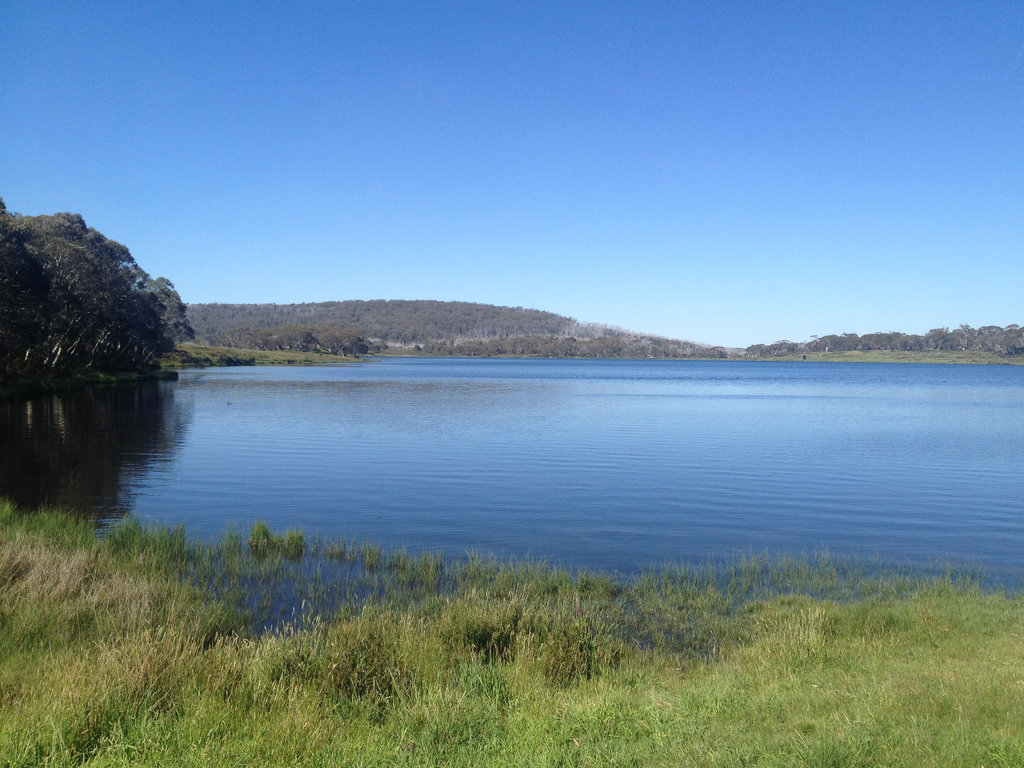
204 356
943 357
961 357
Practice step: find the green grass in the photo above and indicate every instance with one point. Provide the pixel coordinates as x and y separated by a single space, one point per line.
141 648
263 543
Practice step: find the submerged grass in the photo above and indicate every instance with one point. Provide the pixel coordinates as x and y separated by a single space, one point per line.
139 647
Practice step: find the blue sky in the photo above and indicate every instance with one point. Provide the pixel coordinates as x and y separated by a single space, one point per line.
726 172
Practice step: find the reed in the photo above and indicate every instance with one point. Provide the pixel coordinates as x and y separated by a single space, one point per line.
371 556
293 546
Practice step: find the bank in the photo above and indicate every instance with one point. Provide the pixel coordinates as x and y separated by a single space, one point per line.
31 386
137 647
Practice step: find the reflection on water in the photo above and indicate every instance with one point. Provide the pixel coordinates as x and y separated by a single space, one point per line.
76 450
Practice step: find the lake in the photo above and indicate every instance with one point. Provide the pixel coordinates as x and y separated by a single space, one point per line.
604 464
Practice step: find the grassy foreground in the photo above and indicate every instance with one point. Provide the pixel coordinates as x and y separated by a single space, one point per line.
138 648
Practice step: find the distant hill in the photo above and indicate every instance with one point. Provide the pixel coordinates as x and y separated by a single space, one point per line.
396 322
439 327
471 329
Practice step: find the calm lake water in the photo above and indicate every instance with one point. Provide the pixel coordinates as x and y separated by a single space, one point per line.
605 464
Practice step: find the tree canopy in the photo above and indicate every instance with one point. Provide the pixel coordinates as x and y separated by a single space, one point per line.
71 301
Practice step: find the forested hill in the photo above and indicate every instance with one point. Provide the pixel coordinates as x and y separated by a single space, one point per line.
464 328
437 327
392 322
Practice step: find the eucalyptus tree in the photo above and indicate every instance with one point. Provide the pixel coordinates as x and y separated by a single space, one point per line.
24 292
73 300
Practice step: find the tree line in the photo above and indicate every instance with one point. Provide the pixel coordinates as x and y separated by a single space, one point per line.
72 301
464 328
297 338
613 346
1007 340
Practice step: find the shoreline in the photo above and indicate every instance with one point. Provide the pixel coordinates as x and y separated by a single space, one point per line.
931 357
35 386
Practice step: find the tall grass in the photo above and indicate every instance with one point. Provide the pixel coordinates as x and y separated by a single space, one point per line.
139 647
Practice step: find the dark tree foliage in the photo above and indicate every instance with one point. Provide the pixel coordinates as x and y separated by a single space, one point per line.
24 291
297 338
175 313
73 301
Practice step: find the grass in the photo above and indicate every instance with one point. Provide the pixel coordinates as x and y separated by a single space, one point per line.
203 355
139 647
263 543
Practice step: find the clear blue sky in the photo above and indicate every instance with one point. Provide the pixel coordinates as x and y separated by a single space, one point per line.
726 172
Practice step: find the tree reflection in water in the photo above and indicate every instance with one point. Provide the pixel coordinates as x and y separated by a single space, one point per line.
76 450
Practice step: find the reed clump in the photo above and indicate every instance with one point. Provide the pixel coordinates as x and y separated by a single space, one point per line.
263 543
371 556
139 647
293 546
